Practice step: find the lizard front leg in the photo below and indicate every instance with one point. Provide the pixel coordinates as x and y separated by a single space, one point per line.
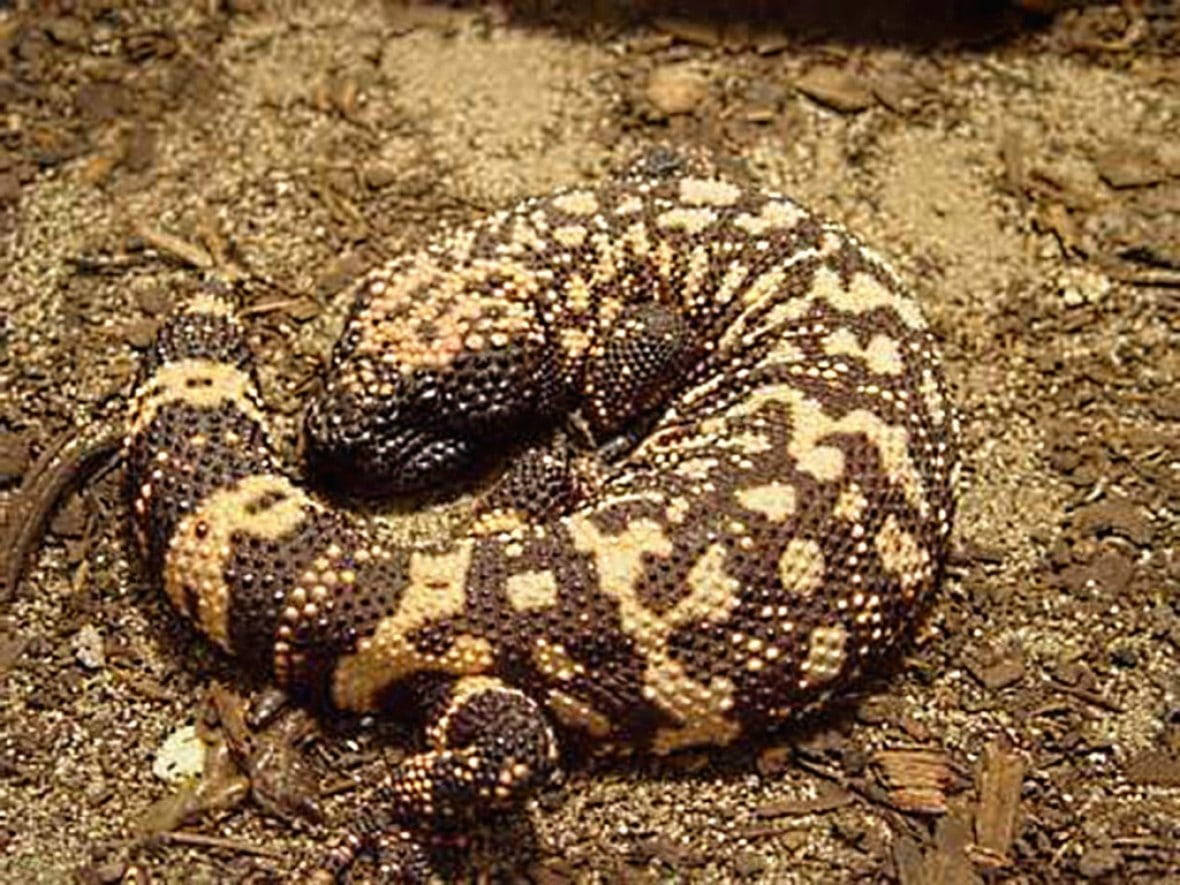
490 746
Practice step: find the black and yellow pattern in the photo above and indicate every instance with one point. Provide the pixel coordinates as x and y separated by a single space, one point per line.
775 517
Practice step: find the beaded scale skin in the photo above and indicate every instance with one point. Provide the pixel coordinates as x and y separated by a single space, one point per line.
759 511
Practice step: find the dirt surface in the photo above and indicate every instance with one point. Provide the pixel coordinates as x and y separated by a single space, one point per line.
1023 172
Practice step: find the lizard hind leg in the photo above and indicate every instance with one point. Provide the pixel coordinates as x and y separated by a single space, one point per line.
491 746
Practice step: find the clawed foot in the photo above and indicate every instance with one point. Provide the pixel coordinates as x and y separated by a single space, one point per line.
489 749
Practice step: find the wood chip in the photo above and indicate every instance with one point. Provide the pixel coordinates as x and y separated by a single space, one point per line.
996 671
14 457
181 250
1014 155
770 42
897 92
1167 406
998 819
830 797
234 846
1155 767
775 760
690 30
9 189
441 19
677 89
1055 219
139 333
1099 863
1112 571
907 860
917 779
1126 166
70 519
1115 516
947 862
139 149
155 301
380 175
12 646
88 648
339 273
837 89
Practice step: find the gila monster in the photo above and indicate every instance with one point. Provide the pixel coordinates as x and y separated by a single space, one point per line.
755 505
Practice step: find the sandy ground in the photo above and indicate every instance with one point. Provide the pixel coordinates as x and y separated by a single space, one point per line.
1023 174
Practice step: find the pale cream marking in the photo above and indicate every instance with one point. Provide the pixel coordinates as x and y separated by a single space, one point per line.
498 521
697 468
825 463
571 235
574 343
863 294
774 500
766 285
901 554
577 294
435 591
774 215
526 237
784 352
629 206
801 567
730 283
708 192
810 424
691 221
531 591
665 259
704 389
876 258
932 394
637 239
712 595
825 654
712 434
553 662
677 509
201 383
606 503
262 506
769 285
747 442
851 505
775 320
882 355
577 203
696 274
713 592
607 254
577 714
609 310
208 303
